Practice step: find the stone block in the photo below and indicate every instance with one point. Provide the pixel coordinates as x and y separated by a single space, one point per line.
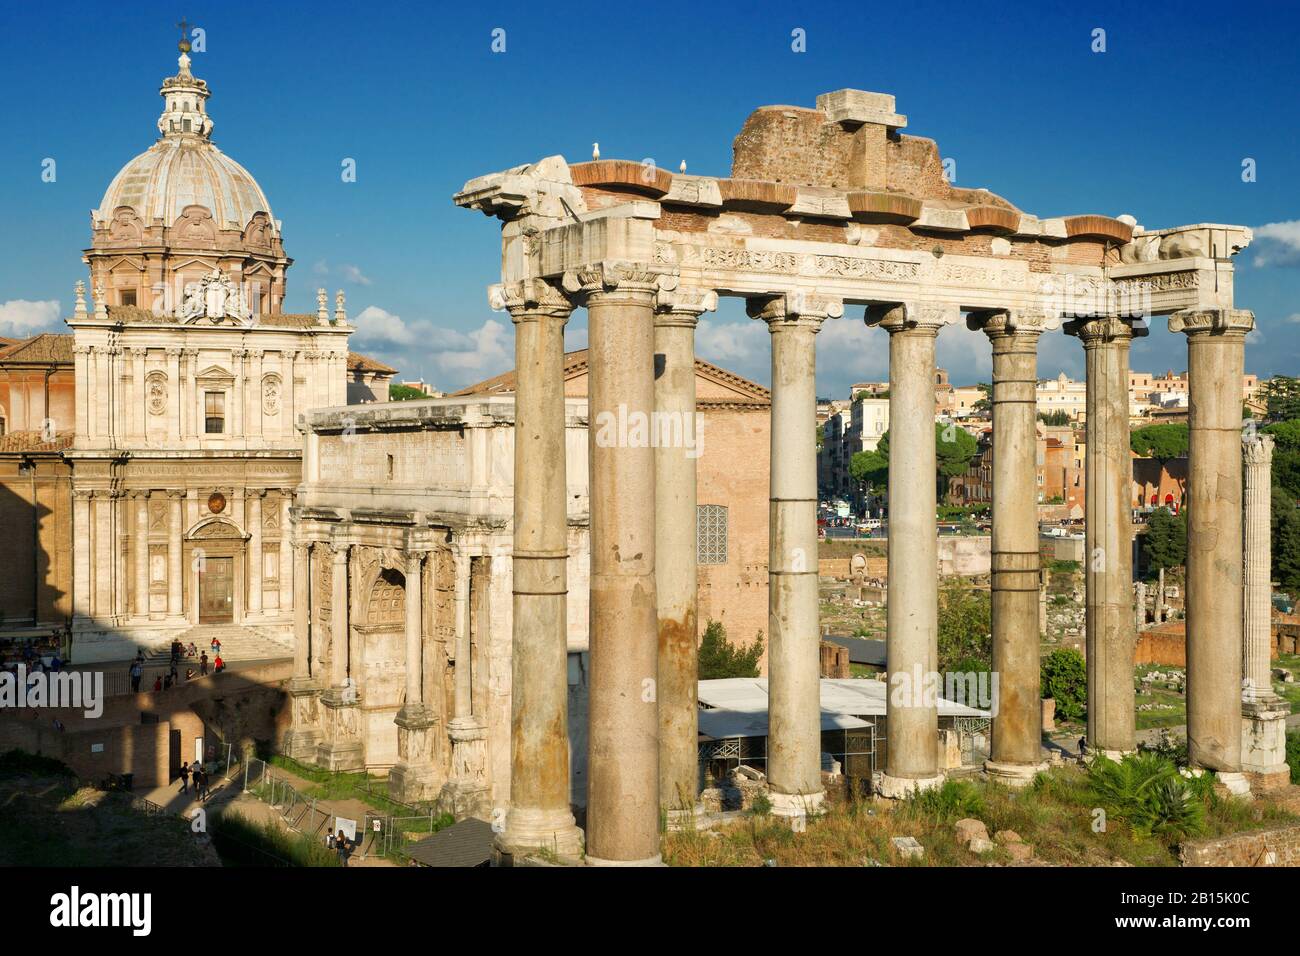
1020 852
907 847
970 829
981 845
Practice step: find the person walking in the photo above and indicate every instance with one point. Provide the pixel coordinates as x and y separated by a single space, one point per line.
136 673
185 777
201 783
203 665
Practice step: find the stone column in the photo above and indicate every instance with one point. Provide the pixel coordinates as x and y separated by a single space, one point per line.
301 618
177 390
289 399
339 617
141 499
255 559
194 425
794 666
1215 361
1108 534
238 365
676 314
341 746
174 570
254 401
1140 605
287 570
912 641
465 794
623 745
304 688
1016 755
1263 739
81 560
539 815
139 394
414 778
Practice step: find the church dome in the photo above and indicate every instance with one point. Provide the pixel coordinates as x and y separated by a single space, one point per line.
184 168
173 174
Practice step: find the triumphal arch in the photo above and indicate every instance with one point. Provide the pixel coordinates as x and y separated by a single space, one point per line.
833 213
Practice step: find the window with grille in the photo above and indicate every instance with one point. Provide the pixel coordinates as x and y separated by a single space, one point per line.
711 534
214 412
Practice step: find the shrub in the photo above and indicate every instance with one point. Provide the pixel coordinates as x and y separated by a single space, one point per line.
954 800
1147 792
1293 754
719 658
1065 679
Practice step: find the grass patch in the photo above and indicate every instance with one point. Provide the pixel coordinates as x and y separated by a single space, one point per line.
241 842
1056 815
331 785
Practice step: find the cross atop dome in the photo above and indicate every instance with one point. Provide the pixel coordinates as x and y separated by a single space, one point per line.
185 100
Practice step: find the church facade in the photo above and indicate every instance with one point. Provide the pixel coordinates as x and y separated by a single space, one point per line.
178 442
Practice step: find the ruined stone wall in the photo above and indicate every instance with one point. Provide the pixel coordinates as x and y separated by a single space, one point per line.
1274 846
36 547
734 472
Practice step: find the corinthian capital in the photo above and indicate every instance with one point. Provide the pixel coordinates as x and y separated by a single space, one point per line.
613 275
1257 450
911 316
797 307
1098 329
683 306
529 297
1213 321
1012 322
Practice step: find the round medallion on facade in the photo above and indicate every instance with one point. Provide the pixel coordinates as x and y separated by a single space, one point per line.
216 502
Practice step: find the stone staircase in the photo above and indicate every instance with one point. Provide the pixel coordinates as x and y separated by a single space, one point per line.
238 643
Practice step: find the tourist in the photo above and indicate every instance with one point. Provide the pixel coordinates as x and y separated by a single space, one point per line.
341 844
176 652
216 646
169 680
218 665
1083 744
185 777
137 672
157 684
200 782
189 673
192 650
203 664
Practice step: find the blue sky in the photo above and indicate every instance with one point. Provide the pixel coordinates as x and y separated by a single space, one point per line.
1157 126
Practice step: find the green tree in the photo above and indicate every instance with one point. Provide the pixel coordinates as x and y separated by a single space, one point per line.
1058 417
965 628
1286 455
985 405
1286 539
1162 442
1064 678
1282 397
404 393
1165 543
720 658
869 467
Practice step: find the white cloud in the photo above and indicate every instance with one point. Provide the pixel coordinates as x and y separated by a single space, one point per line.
1277 244
355 275
414 346
19 317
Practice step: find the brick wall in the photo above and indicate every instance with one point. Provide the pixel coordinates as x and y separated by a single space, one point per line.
1165 645
1275 846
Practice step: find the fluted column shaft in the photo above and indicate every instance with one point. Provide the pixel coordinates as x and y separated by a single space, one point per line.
623 745
141 500
1017 725
301 619
1257 643
339 617
676 314
1215 361
539 814
414 633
